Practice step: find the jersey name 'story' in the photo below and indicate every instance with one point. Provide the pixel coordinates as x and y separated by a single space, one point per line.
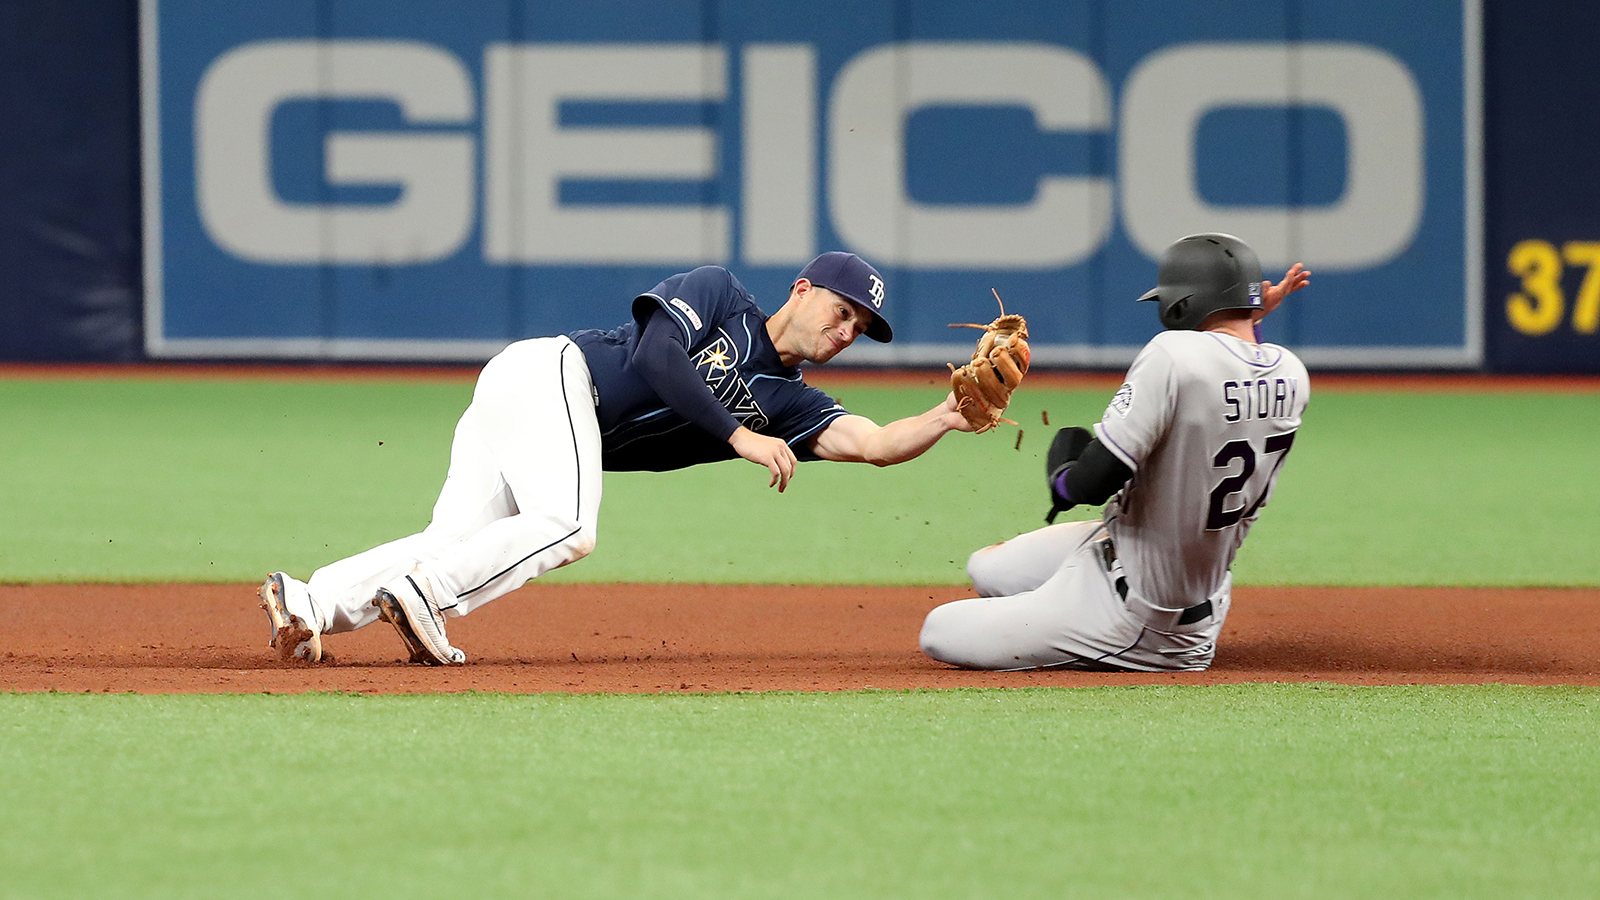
1205 421
728 344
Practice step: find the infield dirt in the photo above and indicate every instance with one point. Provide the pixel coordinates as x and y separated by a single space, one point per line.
665 638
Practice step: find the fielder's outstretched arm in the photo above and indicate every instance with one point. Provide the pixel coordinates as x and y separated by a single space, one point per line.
859 439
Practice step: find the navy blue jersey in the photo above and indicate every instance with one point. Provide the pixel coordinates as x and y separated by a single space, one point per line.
728 344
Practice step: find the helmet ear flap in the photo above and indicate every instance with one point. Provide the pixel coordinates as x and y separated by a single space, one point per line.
1176 311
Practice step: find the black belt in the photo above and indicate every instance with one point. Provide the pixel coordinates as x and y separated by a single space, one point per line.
1193 614
1108 554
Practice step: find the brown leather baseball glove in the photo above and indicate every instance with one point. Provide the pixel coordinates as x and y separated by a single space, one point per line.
983 386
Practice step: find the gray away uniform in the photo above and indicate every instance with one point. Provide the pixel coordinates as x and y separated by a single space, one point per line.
1204 421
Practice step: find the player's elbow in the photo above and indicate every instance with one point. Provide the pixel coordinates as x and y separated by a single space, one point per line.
869 449
882 449
1096 475
881 460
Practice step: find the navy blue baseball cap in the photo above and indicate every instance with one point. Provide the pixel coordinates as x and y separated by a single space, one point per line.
850 276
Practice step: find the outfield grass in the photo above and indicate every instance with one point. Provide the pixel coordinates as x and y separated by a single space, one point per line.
201 480
1248 791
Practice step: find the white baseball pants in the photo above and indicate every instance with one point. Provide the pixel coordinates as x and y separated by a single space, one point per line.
522 495
1050 598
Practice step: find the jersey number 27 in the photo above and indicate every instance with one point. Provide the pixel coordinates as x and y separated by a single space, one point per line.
1217 516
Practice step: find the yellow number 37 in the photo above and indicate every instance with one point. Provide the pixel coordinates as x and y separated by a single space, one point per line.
1537 309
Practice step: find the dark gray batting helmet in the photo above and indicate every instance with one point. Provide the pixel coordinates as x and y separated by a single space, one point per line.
1203 273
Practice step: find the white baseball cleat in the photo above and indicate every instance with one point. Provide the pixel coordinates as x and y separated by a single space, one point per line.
411 605
296 633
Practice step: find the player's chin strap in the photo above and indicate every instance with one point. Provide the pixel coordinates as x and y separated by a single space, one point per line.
1064 451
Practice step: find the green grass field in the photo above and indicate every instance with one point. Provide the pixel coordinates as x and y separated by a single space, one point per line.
1234 792
221 481
1231 792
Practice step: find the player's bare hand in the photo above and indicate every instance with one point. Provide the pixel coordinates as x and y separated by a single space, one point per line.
952 417
765 450
1296 278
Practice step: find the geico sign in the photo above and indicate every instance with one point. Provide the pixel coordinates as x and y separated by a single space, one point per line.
527 152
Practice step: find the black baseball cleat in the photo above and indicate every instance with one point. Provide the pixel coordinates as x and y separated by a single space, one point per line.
410 606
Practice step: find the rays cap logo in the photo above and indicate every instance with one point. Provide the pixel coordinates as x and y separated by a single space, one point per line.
850 276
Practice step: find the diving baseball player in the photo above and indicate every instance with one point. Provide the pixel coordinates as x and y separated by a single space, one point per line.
698 374
1187 452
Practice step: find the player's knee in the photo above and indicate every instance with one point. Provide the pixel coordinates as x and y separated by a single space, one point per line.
581 542
985 567
940 638
585 543
577 543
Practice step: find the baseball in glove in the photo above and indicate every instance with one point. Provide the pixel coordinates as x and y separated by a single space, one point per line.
983 386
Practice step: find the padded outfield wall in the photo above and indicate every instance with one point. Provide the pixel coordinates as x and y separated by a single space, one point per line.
423 179
335 179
